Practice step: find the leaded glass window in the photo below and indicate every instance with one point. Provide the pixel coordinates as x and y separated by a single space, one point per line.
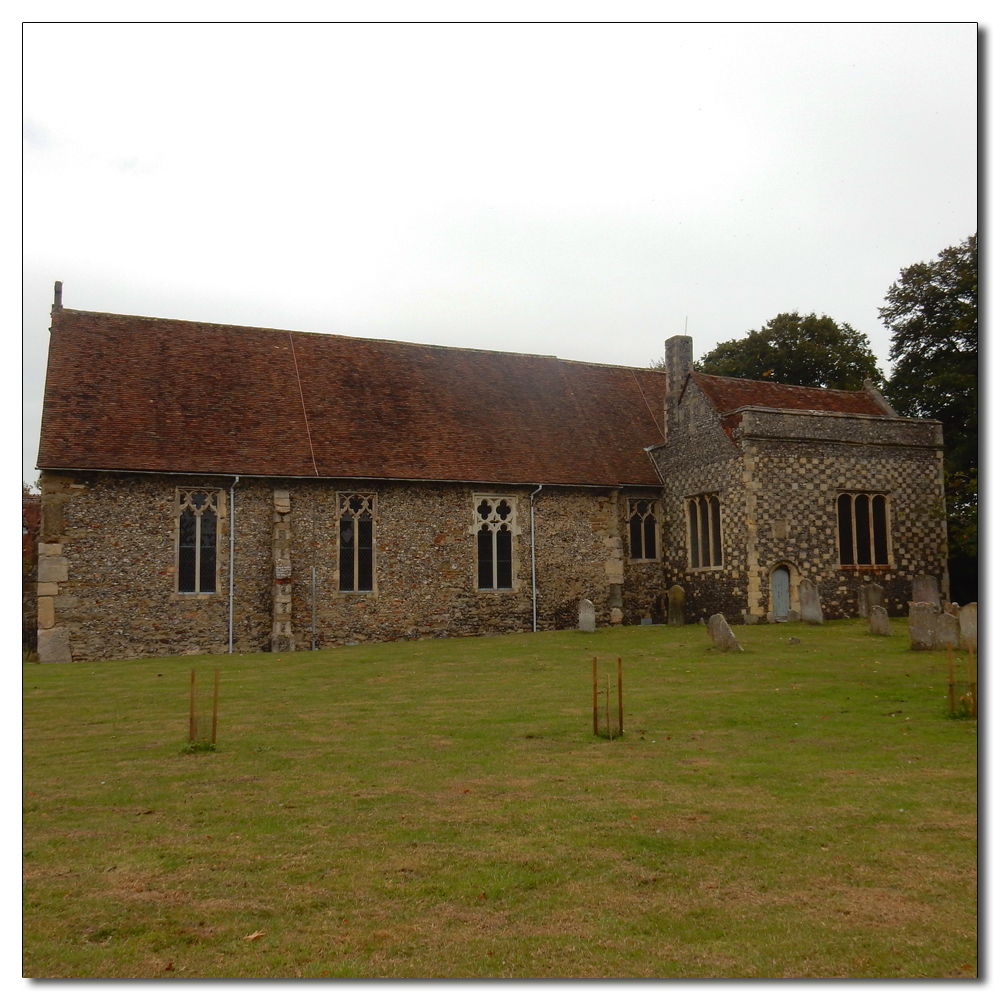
495 542
197 542
357 542
642 528
863 529
705 531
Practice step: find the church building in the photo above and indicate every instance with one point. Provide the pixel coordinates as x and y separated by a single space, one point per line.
210 488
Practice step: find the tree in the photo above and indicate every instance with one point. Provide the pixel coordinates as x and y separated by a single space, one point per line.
798 350
933 313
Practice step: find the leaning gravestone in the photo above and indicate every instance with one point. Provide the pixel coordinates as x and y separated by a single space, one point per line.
968 625
925 591
587 619
871 595
722 634
923 624
946 632
675 605
809 603
878 621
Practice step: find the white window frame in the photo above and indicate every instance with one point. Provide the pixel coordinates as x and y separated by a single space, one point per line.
184 501
707 524
369 502
654 513
494 520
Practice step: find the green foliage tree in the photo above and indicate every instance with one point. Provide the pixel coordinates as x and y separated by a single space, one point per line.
933 313
797 350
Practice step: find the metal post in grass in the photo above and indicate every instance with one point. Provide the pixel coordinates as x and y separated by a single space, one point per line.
951 678
621 718
215 705
595 695
191 722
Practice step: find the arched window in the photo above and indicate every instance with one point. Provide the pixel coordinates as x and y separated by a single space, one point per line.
642 529
705 531
197 541
495 542
357 542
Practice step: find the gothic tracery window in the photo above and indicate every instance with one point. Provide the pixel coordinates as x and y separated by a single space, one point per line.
495 542
357 542
197 541
642 524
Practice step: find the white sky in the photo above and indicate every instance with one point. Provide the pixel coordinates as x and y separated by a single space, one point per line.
572 189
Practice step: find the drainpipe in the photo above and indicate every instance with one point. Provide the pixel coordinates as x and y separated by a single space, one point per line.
232 555
534 588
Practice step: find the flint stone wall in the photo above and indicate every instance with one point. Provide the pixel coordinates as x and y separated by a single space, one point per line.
111 542
778 476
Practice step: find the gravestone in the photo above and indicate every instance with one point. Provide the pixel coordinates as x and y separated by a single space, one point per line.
925 591
946 632
968 626
587 619
948 608
809 603
878 621
923 624
870 595
794 640
675 605
722 634
616 616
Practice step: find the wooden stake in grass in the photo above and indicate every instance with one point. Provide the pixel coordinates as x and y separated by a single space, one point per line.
951 679
607 707
215 705
621 723
973 686
595 695
191 723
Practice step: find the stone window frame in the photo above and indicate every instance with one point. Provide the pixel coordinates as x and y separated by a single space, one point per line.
183 502
703 527
346 502
494 520
850 523
654 515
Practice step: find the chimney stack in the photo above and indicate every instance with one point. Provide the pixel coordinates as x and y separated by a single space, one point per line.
57 299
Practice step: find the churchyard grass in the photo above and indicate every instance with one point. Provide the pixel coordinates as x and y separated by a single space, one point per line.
442 809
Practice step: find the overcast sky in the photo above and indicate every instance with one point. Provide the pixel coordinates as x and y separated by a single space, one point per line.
577 190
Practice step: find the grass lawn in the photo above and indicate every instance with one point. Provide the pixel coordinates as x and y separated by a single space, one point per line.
442 809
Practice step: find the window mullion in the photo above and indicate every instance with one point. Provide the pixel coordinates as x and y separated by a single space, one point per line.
496 566
197 553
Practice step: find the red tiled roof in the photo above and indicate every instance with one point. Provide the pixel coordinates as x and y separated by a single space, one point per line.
727 394
143 394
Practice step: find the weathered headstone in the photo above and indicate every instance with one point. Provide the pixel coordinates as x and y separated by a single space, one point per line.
946 632
968 626
925 591
722 634
588 621
616 616
675 605
794 640
809 603
870 595
923 624
878 621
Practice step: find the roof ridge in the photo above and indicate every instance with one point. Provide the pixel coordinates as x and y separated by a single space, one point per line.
790 385
350 336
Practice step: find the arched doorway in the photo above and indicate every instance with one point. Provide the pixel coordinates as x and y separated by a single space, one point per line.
781 599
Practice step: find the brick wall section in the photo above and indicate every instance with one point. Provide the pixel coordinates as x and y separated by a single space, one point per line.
112 540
